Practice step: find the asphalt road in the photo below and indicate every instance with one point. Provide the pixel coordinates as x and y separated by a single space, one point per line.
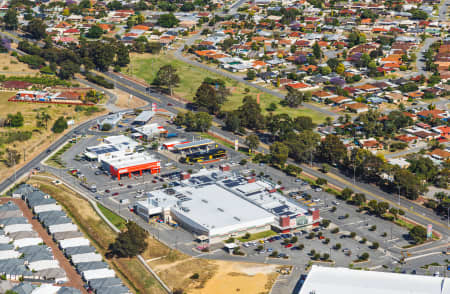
418 213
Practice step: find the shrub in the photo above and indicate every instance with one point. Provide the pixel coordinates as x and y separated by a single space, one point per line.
195 276
364 256
326 223
99 80
106 127
60 125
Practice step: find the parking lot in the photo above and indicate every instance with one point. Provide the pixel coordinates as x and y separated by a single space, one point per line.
121 195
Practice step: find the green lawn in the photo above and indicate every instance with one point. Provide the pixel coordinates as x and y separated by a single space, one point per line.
145 66
257 236
112 217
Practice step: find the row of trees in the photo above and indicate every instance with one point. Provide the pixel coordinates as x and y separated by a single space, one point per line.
89 55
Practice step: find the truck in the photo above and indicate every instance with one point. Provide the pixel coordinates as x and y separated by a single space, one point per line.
172 135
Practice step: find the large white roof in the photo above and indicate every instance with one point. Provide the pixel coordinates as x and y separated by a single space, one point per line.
219 211
327 280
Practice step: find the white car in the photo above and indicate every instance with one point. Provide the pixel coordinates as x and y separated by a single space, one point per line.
318 190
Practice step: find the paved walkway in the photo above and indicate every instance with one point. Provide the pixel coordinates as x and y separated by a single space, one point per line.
73 277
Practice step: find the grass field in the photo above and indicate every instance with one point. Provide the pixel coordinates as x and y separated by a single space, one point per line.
116 220
41 137
10 66
131 271
257 236
145 66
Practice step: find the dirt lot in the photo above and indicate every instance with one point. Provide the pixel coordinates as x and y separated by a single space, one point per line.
131 271
41 137
216 277
123 100
10 66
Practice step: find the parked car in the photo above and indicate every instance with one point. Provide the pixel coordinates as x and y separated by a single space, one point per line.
107 191
288 245
115 194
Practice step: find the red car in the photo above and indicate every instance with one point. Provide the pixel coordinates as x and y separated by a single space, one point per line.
107 191
288 245
115 194
321 237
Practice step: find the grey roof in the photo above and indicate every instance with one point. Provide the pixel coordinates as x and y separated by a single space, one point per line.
40 201
68 290
35 194
120 289
24 288
106 282
24 189
56 221
7 246
52 273
10 213
78 250
9 206
67 235
23 234
36 253
13 221
86 266
14 267
50 214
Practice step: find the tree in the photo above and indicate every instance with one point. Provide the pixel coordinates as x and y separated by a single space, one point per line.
375 245
15 120
68 69
381 208
101 54
359 199
294 97
418 234
10 19
302 146
203 121
94 32
106 127
232 122
251 75
337 246
250 114
131 242
122 55
340 68
60 125
12 157
252 141
325 256
346 194
167 76
325 70
332 150
207 98
168 20
36 28
279 153
317 51
352 235
364 256
326 223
